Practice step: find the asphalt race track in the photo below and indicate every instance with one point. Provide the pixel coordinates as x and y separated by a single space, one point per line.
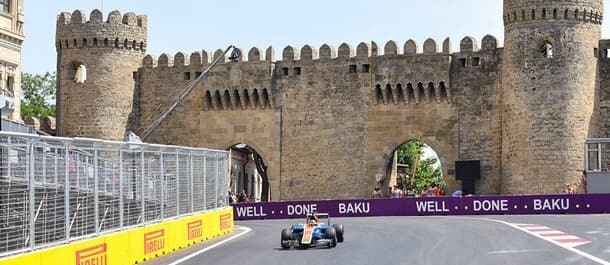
536 240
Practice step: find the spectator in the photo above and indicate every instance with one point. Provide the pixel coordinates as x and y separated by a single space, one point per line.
457 193
424 192
377 193
569 189
583 180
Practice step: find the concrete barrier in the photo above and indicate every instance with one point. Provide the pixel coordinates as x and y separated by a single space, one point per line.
135 245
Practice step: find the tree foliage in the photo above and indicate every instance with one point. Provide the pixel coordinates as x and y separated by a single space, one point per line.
427 170
38 95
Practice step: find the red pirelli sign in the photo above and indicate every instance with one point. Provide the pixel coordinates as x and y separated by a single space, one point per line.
195 229
154 241
95 255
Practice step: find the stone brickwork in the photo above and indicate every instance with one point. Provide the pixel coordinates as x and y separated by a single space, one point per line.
326 121
111 51
548 102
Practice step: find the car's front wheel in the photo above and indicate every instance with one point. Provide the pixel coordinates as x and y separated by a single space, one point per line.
331 234
286 236
339 229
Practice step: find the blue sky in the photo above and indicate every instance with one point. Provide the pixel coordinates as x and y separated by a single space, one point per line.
190 25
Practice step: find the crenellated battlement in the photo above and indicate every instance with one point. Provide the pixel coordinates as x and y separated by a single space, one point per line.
539 10
326 52
128 31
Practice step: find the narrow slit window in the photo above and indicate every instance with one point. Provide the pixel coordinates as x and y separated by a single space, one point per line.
297 71
187 75
284 71
546 50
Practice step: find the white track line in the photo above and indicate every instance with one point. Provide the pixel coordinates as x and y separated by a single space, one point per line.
246 230
584 254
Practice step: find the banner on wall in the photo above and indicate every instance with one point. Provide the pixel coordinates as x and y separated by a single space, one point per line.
474 205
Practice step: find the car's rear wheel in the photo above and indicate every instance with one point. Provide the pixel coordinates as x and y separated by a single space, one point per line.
331 234
286 236
339 229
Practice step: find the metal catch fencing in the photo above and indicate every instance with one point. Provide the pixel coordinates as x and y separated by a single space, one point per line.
56 190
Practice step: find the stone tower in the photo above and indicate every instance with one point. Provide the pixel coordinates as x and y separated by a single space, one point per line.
97 64
548 83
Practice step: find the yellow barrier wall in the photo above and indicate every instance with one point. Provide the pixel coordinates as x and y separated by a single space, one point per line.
133 246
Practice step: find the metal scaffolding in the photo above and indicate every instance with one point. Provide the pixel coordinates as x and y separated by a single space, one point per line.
56 190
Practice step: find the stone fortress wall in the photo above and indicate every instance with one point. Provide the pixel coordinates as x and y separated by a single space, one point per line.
327 121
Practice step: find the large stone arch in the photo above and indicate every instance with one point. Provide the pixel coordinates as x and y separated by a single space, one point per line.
437 129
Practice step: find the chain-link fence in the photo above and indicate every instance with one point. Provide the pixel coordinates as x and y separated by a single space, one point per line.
55 190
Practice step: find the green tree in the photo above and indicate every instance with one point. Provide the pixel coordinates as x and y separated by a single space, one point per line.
428 172
38 95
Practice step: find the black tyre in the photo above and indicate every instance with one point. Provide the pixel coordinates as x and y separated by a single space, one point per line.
339 229
331 234
286 235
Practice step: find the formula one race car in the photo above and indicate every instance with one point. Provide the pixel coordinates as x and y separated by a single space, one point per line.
315 232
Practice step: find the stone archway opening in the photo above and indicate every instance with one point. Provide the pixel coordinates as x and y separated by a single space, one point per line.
248 174
415 168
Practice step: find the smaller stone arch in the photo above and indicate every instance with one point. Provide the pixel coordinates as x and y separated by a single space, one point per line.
390 48
254 54
179 59
163 60
489 43
96 17
447 46
327 52
148 61
115 17
468 44
195 58
130 19
410 47
78 17
290 54
270 54
309 53
363 50
345 51
430 46
219 54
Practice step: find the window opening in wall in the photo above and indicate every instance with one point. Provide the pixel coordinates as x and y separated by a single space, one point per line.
94 41
543 13
366 68
462 62
547 50
135 76
378 94
106 42
522 15
84 42
197 74
476 61
555 13
9 84
187 75
565 15
353 68
80 73
297 70
285 71
533 14
5 6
